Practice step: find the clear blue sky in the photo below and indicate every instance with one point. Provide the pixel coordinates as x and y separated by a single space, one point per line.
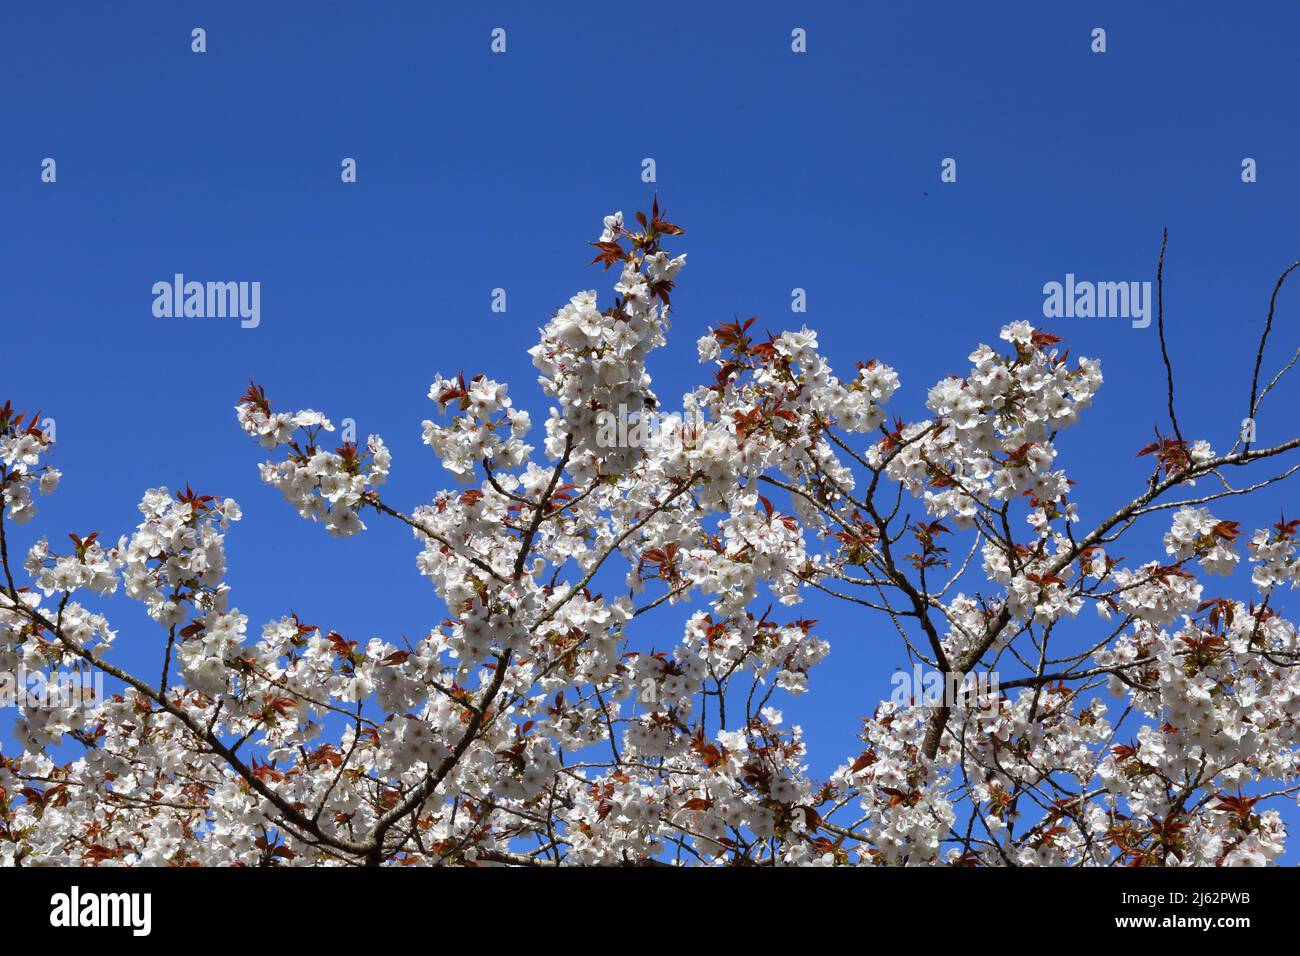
479 171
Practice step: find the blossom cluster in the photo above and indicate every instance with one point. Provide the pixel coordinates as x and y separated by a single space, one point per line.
541 718
23 445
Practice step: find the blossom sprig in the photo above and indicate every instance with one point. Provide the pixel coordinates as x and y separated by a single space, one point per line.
324 485
23 444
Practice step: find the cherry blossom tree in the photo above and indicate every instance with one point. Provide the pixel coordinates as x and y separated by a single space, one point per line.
1137 717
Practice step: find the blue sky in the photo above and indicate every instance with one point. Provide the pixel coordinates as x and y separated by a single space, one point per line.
479 171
